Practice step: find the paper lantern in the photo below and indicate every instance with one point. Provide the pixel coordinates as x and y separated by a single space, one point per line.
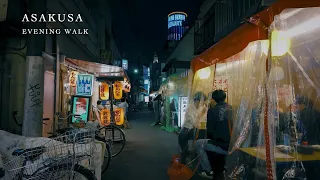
105 117
104 91
117 90
119 116
73 78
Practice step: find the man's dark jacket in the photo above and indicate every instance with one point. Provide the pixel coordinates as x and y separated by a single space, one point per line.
218 119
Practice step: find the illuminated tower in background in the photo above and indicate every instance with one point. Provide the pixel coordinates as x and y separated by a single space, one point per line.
176 25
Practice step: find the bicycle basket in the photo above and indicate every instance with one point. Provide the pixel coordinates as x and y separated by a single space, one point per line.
51 159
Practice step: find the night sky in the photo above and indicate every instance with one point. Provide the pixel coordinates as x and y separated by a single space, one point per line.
140 26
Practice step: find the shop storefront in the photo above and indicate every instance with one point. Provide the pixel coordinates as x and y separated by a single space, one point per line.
80 89
272 82
174 93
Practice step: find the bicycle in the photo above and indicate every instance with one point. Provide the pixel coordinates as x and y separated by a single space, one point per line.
52 160
107 155
111 139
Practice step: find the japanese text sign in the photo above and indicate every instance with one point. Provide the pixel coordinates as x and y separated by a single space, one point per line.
221 83
105 117
73 78
117 90
119 116
84 85
104 91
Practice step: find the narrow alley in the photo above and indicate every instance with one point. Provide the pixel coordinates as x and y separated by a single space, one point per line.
147 153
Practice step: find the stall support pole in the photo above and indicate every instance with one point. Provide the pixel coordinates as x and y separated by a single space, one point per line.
33 102
111 108
266 126
56 82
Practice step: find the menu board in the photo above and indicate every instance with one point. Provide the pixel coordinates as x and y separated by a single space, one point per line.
221 83
183 104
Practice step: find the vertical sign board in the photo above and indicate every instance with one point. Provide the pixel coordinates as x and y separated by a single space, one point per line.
125 64
183 104
84 85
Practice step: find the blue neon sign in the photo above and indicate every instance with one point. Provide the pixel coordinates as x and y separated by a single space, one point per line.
176 20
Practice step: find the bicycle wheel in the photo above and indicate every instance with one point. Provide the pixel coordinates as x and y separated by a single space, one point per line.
107 158
115 137
59 172
107 154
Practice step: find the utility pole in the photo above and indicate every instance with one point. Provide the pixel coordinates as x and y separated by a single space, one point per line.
33 100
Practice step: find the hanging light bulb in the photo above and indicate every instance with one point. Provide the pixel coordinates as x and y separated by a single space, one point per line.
204 73
280 43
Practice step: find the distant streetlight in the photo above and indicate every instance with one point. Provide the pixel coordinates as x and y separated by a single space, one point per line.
135 71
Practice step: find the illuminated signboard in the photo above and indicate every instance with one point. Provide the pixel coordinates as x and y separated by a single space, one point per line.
125 64
176 20
176 25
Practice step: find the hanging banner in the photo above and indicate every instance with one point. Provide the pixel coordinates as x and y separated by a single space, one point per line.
117 90
73 78
119 116
221 83
105 117
104 91
84 84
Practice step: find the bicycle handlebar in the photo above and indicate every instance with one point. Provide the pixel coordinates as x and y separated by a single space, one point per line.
60 118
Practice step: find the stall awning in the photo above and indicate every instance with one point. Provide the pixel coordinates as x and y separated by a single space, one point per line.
239 39
100 70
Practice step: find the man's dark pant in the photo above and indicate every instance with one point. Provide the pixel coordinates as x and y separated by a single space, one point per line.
184 136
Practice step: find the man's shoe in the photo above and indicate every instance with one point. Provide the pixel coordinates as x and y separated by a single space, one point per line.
206 174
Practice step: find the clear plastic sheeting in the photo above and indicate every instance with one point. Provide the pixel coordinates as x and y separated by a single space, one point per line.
293 94
243 78
195 118
174 92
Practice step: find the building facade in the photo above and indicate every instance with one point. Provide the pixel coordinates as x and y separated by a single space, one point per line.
218 18
97 46
180 57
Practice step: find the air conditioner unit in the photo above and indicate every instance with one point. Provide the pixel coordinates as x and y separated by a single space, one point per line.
3 10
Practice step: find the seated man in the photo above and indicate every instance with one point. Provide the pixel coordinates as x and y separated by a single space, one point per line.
218 132
194 113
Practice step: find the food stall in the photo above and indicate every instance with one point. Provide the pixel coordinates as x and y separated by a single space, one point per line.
81 90
293 93
174 91
273 86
